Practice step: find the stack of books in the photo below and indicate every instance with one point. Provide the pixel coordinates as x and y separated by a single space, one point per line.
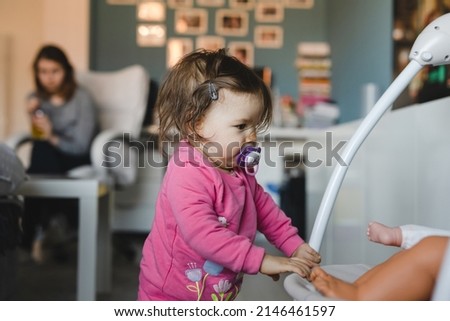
314 66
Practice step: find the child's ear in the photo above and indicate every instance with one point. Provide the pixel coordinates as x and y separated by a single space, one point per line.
199 127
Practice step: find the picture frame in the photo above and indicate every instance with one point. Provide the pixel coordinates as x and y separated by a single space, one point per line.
176 49
211 3
231 22
121 2
176 4
243 51
151 35
267 36
242 4
299 4
151 10
210 42
191 21
269 12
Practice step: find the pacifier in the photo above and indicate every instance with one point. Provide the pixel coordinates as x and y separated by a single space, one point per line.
248 159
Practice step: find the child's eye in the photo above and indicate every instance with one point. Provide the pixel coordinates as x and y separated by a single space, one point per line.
241 126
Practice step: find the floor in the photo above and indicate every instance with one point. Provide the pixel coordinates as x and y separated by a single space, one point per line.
55 280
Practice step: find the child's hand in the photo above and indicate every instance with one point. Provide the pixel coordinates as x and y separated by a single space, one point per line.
274 265
306 252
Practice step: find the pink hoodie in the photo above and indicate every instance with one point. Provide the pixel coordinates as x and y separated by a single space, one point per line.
201 241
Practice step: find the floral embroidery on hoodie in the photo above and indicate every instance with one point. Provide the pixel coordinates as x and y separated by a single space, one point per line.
222 289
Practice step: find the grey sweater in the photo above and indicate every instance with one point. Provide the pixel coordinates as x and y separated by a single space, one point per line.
74 122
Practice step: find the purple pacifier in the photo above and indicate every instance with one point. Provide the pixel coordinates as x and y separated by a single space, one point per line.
248 159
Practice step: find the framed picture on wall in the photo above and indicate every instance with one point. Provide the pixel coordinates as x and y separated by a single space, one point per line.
191 21
269 12
210 42
230 22
243 50
121 2
211 3
151 35
175 4
299 4
242 4
268 36
151 10
177 48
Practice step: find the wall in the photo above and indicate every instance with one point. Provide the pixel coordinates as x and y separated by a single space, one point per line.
67 24
26 25
21 24
113 43
4 78
357 57
359 33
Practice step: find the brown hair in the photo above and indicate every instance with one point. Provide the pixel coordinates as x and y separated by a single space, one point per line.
184 96
56 54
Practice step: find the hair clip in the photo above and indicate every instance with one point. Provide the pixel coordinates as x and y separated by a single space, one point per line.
213 91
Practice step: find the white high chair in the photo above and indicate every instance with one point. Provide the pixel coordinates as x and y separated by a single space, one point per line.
432 47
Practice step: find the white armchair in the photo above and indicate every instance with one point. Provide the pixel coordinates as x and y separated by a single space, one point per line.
121 98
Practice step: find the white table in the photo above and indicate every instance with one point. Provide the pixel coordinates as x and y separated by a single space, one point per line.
94 233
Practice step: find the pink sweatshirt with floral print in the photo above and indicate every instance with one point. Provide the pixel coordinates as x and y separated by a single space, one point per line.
201 241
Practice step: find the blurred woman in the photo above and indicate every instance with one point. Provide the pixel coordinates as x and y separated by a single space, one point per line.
64 122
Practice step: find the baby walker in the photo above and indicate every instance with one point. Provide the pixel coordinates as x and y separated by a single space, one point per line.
432 47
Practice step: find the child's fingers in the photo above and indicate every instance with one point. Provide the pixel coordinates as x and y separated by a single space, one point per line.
312 252
300 266
307 252
312 256
311 262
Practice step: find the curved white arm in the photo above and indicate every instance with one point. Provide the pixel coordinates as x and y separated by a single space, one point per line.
123 175
97 146
18 139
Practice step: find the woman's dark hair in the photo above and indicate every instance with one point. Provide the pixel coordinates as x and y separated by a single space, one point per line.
56 54
185 95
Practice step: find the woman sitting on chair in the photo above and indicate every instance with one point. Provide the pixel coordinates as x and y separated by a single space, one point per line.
64 122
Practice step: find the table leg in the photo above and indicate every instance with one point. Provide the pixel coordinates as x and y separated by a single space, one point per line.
104 249
87 249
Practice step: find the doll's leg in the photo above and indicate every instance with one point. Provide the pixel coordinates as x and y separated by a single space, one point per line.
407 275
379 233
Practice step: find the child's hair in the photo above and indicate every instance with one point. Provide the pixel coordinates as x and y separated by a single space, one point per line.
185 95
56 54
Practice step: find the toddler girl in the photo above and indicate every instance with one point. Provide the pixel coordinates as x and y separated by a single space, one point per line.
210 205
